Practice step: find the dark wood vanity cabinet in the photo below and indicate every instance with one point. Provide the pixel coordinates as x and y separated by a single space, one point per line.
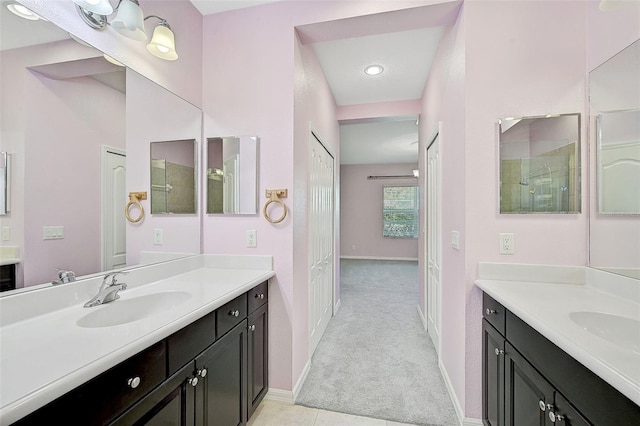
528 380
213 372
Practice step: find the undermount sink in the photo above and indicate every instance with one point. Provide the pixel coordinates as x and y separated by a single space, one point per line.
621 331
124 311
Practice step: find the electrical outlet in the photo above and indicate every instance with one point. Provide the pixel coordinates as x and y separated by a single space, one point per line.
158 236
252 238
507 243
455 240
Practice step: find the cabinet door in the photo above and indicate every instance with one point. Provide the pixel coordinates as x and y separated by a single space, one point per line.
563 413
527 393
221 400
258 362
492 376
171 403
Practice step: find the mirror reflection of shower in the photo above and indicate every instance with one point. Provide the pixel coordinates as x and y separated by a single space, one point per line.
540 164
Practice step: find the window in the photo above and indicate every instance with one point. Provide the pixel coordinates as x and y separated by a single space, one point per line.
400 212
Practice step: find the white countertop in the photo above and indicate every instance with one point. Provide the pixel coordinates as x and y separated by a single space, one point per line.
45 356
546 306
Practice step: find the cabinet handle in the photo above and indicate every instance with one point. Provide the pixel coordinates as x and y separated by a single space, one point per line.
542 406
490 311
134 382
252 327
235 313
260 296
555 418
202 372
193 381
499 352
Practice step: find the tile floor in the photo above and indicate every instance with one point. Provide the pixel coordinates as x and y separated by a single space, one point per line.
274 413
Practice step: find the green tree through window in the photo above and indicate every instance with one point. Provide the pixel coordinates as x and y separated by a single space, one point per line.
400 212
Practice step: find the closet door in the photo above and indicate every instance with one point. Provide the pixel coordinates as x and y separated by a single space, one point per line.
321 241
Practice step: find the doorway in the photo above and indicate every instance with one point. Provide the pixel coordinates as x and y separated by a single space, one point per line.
433 240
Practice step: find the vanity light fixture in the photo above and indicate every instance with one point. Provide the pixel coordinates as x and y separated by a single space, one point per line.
163 43
129 22
373 70
112 60
21 11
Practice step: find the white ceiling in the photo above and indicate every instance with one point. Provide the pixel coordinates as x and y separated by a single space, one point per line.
207 7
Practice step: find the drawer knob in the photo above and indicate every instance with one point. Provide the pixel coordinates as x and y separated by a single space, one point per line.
202 372
235 313
542 406
252 327
555 418
490 311
260 296
134 382
193 381
499 352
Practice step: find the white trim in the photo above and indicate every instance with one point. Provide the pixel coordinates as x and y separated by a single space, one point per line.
423 318
337 307
280 395
472 422
301 380
412 259
454 399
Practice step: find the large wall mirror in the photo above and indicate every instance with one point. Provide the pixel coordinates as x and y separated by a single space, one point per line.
232 175
540 164
77 129
614 223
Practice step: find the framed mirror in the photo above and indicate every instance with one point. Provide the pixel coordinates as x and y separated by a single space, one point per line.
614 105
72 121
4 183
173 177
540 164
232 175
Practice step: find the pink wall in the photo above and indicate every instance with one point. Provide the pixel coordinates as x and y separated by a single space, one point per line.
361 212
443 112
185 21
155 114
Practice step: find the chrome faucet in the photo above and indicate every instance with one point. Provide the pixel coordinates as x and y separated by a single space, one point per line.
64 277
108 290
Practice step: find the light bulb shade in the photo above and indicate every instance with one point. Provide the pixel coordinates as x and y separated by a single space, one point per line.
129 21
163 44
100 7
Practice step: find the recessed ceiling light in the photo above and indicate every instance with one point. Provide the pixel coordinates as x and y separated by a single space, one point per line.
21 11
373 70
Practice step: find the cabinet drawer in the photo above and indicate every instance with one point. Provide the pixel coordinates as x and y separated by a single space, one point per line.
258 296
230 314
103 398
494 312
188 342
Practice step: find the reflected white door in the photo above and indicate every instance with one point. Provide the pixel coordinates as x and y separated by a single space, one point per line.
434 246
230 195
114 200
321 242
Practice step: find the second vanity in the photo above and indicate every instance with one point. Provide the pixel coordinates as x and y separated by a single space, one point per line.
560 346
185 343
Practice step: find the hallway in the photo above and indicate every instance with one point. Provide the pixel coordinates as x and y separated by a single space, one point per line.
375 358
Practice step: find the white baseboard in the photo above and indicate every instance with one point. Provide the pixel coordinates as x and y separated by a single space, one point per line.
411 259
303 377
279 395
454 398
472 422
422 318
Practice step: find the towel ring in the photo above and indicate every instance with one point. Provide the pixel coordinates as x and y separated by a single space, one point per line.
134 200
274 196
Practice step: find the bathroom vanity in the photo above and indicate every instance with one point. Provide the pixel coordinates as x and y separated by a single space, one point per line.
542 365
202 360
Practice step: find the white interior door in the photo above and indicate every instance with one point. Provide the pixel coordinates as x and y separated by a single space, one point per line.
114 200
434 246
321 241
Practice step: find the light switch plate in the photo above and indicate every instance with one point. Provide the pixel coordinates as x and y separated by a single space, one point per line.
158 236
455 240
